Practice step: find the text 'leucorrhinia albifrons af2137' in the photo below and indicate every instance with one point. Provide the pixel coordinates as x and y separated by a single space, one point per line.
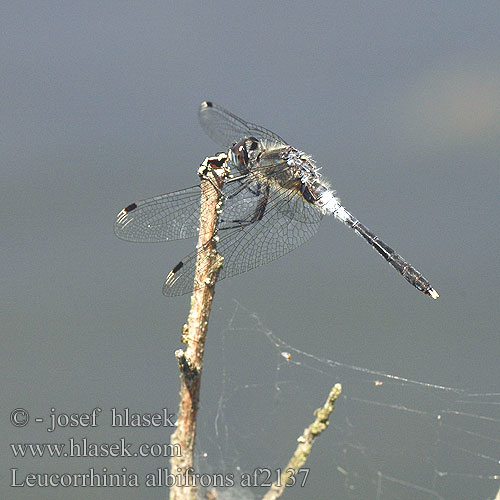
273 200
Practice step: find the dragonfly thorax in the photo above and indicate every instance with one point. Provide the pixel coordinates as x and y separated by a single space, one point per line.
301 165
286 168
314 189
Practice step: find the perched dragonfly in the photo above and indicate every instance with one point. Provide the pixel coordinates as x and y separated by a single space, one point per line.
273 201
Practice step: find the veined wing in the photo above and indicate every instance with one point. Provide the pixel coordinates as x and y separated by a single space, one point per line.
226 129
176 215
170 216
252 243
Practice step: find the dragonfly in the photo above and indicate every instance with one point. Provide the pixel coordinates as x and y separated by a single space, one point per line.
273 200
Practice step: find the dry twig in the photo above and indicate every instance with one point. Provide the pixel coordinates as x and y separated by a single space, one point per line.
305 443
212 172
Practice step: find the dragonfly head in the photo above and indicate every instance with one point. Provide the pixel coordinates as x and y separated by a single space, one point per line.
245 151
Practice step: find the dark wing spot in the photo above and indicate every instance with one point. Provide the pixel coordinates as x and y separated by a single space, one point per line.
131 207
177 267
209 104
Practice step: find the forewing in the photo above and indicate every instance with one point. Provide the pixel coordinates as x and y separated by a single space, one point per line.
255 244
170 216
226 129
175 216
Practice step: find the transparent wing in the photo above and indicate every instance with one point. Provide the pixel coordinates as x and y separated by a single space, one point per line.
226 129
170 216
176 215
252 243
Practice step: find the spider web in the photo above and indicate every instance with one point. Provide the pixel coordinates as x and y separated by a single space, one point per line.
389 438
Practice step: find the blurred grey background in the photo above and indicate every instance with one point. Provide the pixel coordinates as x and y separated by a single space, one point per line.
398 102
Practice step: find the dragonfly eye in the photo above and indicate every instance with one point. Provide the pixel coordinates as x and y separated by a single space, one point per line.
239 153
242 154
